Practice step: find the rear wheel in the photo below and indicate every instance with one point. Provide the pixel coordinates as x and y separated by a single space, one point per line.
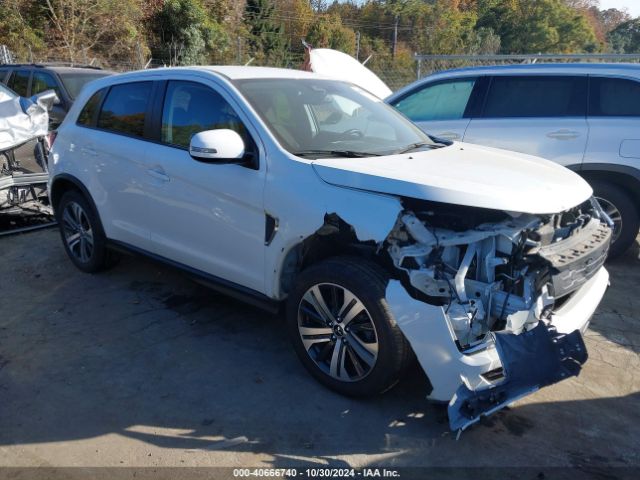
342 329
82 234
619 206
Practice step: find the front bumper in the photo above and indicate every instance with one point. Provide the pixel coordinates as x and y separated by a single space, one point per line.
428 331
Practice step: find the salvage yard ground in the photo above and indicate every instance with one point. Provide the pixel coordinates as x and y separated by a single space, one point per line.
140 366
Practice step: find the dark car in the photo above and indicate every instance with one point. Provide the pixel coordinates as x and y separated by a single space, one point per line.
30 79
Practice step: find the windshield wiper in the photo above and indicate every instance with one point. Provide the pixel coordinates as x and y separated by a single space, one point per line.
336 153
414 146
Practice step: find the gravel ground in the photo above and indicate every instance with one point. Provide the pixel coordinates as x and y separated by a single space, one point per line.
141 367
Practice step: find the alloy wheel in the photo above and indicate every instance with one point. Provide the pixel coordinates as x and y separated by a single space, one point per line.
78 234
337 332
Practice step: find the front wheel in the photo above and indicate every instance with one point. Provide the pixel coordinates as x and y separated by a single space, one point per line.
342 329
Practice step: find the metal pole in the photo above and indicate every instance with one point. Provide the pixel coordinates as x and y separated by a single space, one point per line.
395 36
358 45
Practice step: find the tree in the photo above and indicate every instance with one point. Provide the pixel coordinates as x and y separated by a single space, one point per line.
327 31
185 33
21 28
265 32
83 27
527 26
625 38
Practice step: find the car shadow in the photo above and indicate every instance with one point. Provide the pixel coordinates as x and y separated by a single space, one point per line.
144 353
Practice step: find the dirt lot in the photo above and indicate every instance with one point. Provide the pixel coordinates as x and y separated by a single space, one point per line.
141 367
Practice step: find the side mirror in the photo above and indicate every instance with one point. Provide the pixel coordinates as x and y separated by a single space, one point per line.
221 145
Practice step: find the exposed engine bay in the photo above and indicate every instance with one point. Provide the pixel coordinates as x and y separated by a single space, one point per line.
497 271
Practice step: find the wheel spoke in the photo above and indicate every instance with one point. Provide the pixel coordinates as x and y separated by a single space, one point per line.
365 351
355 361
68 221
336 369
84 254
73 240
314 297
351 308
312 336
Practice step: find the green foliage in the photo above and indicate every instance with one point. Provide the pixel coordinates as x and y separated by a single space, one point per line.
327 31
265 34
19 28
536 26
185 33
625 38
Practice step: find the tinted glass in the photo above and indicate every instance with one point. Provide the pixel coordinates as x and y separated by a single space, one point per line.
190 108
88 112
442 101
43 81
316 117
614 97
74 82
125 107
536 96
19 82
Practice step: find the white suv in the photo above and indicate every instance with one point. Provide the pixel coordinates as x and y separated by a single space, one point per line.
583 116
287 188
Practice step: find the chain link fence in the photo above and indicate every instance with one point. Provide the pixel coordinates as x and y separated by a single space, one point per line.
393 75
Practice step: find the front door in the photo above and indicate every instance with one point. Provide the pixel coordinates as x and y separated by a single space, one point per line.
210 216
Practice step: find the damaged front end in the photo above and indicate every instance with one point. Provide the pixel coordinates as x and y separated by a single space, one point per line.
494 302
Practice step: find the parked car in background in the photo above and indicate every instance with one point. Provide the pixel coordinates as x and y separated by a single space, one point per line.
583 116
286 188
31 79
24 124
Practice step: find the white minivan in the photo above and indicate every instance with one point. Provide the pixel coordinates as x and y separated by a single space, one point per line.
296 191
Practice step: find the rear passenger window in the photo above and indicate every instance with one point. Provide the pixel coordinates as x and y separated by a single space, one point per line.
19 82
614 97
125 107
190 108
536 96
88 113
43 81
441 101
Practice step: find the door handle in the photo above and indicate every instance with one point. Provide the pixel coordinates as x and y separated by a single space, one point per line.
448 135
158 174
564 134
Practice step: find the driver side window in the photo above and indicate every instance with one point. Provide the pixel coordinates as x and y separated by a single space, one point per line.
190 108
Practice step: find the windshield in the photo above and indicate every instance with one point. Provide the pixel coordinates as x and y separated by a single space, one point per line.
6 93
74 82
317 118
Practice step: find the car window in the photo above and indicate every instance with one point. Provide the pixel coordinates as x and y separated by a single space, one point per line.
190 108
614 97
440 101
125 107
87 115
44 81
75 81
5 93
19 82
536 96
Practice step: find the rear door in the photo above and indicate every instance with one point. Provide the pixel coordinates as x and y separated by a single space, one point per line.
113 145
19 82
539 115
614 122
441 108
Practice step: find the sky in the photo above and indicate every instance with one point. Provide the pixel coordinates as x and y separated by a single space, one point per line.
633 6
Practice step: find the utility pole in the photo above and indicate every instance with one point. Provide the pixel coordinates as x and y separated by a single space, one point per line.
358 45
395 37
239 50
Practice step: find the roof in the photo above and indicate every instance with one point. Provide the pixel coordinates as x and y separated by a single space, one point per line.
574 68
53 66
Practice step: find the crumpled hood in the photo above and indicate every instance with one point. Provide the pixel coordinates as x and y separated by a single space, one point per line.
463 174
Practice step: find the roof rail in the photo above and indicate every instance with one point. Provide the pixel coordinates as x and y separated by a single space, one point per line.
50 64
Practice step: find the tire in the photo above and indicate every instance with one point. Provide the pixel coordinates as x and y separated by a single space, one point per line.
623 210
366 336
82 234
